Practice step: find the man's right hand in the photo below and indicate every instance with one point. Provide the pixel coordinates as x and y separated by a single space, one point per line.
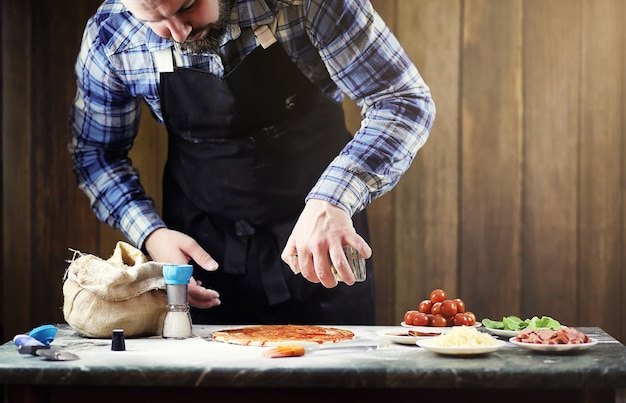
169 246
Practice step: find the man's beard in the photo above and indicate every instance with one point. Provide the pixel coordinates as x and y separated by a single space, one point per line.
215 32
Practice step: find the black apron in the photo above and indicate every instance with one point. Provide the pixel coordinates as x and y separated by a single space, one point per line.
244 151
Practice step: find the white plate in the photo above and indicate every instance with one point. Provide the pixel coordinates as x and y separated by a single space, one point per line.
433 329
401 336
502 332
459 350
554 348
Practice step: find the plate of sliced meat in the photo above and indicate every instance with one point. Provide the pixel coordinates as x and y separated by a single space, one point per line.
566 339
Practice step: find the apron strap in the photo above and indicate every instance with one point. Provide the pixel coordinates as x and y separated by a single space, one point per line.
264 34
260 247
166 59
236 248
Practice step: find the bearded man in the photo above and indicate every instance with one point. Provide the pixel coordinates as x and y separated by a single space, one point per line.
263 186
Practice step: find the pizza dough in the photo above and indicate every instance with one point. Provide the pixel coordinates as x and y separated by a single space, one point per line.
272 335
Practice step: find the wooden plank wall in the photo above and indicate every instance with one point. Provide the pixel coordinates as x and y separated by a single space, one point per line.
426 239
515 203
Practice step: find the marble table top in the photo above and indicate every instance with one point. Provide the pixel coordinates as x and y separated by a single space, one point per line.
200 361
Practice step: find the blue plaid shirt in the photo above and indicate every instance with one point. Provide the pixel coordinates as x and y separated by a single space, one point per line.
342 46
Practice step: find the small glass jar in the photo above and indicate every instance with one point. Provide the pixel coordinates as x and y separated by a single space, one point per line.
356 262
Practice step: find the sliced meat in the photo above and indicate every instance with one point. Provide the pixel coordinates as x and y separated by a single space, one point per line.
565 335
546 334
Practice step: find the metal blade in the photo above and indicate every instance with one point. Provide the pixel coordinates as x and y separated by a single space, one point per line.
56 355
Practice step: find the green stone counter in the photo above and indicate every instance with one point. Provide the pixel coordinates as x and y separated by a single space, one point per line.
155 369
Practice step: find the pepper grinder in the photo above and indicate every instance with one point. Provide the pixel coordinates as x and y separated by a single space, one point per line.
177 324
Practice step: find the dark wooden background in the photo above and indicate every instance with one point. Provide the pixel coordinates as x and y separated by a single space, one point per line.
516 203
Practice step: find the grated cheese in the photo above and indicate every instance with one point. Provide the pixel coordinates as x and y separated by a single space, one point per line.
463 336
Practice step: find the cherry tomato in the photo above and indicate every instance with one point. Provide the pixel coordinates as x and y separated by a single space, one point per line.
420 319
438 295
461 319
408 317
460 305
438 321
425 306
436 308
450 321
472 317
448 308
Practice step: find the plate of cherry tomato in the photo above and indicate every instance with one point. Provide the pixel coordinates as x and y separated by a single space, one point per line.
439 313
431 330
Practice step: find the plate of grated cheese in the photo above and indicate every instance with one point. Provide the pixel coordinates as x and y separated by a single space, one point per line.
462 340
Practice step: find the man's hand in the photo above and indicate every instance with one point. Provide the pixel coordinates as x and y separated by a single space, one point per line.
321 232
165 245
200 297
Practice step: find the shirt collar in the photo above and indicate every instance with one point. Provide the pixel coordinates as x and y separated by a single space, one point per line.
245 14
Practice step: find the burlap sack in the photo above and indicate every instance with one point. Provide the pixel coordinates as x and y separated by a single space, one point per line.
125 291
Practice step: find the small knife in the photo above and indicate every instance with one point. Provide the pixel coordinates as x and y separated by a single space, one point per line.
56 355
29 345
297 350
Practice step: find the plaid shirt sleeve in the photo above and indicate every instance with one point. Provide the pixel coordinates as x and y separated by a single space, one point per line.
104 120
368 64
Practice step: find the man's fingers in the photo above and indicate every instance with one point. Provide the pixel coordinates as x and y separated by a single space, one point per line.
203 259
293 263
200 297
204 304
290 256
